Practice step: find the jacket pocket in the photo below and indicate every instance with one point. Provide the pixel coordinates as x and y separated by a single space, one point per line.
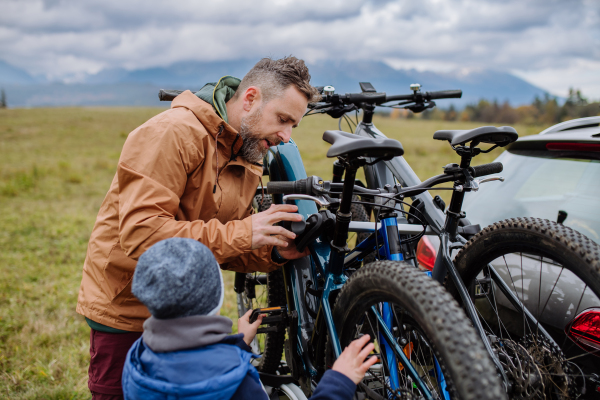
118 272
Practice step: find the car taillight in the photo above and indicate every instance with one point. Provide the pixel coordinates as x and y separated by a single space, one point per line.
584 330
563 146
426 253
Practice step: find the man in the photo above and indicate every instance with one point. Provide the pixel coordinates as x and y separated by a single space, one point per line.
190 172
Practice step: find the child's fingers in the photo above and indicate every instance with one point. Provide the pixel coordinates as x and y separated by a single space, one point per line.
368 364
258 321
366 351
363 340
356 345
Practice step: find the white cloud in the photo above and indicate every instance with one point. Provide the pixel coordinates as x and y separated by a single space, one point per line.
546 41
581 74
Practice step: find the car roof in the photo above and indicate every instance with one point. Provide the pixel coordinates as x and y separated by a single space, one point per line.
573 124
577 130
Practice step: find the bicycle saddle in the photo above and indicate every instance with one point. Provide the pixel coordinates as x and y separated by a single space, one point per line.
484 134
347 144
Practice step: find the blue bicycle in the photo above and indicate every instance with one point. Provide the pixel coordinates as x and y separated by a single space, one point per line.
319 304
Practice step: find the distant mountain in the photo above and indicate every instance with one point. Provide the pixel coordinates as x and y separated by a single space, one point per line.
181 75
140 87
83 94
344 76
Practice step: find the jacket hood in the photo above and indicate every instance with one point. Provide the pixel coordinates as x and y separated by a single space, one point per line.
166 335
218 128
219 93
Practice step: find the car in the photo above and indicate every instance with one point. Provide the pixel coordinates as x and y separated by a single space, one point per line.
553 175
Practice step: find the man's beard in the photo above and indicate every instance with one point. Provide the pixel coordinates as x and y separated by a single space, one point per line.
253 149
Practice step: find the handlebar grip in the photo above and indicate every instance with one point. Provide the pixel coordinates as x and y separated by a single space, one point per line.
444 94
169 94
366 97
295 187
487 169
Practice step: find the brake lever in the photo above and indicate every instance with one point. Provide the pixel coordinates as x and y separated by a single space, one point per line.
490 179
474 186
320 200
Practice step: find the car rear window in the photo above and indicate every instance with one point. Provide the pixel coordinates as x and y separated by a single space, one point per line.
540 187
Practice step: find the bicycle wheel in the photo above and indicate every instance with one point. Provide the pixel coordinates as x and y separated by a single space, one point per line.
554 271
429 327
263 290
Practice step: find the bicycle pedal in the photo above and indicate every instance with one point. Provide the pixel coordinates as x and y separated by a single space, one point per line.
272 319
274 328
269 310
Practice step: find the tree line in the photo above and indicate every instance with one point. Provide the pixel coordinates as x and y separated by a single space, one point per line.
542 111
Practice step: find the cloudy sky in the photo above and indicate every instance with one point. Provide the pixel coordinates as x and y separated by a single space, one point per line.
552 43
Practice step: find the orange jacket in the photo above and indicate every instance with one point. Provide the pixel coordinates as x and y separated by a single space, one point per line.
164 188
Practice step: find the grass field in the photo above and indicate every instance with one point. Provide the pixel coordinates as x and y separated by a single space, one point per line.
55 168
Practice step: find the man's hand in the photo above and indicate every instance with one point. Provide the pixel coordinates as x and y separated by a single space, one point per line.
350 362
248 329
263 231
290 252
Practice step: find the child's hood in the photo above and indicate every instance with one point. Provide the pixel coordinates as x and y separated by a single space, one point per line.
166 335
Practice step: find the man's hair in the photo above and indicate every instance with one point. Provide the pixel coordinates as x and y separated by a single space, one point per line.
274 76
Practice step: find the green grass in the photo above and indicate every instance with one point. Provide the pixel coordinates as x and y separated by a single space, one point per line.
55 168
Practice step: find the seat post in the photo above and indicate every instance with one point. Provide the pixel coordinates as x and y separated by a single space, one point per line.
453 215
343 214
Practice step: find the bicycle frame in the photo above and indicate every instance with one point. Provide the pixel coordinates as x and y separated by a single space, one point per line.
285 163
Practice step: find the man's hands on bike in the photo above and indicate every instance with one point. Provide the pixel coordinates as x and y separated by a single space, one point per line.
264 232
352 360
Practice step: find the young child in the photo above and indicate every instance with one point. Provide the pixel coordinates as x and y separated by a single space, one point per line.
186 350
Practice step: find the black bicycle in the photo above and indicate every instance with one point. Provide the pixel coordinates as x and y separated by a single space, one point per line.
531 287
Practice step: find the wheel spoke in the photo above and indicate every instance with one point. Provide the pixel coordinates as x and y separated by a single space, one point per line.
552 291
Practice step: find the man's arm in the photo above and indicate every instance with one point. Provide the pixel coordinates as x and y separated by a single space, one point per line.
152 175
260 259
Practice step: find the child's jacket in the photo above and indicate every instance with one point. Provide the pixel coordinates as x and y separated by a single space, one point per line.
193 358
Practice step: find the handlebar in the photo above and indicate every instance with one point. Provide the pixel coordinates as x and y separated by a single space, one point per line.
303 186
168 94
443 94
381 98
300 186
487 169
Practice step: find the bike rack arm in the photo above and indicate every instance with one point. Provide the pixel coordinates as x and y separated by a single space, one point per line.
403 229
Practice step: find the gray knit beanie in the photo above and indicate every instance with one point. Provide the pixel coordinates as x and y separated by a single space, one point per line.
178 277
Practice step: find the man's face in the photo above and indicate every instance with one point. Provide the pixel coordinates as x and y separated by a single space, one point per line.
268 124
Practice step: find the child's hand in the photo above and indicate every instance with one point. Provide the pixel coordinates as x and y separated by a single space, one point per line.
350 362
248 329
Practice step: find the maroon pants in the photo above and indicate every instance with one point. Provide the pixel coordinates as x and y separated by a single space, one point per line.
108 352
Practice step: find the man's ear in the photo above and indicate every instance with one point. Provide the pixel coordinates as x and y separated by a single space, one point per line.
250 98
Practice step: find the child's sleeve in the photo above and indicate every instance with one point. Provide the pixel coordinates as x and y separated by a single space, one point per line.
334 386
